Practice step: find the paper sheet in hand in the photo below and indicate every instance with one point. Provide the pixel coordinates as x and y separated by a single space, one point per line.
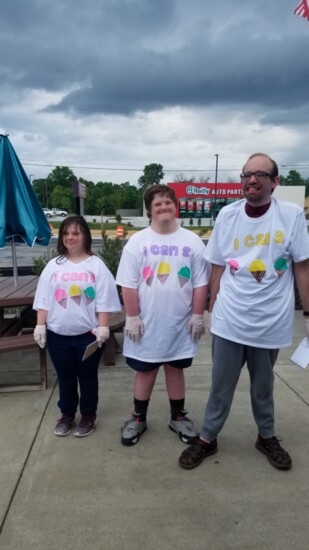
301 354
90 350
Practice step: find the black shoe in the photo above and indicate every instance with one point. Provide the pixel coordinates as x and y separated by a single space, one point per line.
195 454
277 456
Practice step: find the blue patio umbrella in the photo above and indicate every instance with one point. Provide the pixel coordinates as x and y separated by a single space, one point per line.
22 219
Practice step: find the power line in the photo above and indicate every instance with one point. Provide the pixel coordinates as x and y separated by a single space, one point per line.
141 169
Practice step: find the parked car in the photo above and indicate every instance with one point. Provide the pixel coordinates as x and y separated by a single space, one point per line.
48 213
58 212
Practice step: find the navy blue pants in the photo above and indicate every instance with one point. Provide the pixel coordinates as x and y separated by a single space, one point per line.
66 353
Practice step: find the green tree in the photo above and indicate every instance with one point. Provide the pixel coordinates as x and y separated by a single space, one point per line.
61 175
153 174
91 198
55 191
181 178
61 198
293 178
131 197
203 179
40 188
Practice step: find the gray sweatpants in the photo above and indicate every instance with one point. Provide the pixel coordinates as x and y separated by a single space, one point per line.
228 358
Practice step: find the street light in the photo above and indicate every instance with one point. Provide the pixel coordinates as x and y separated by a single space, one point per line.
216 182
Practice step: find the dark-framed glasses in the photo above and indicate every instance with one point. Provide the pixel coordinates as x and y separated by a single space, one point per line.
258 175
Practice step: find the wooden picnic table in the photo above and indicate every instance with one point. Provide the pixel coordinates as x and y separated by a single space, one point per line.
19 296
12 296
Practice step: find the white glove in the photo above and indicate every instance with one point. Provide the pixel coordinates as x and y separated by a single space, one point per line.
102 334
307 327
196 326
39 335
208 322
134 328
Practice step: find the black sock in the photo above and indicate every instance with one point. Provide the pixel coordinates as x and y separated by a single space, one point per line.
140 408
177 408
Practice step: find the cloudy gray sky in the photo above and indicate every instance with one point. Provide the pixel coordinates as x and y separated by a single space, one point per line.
108 86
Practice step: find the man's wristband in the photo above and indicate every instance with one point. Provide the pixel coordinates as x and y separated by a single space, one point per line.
306 313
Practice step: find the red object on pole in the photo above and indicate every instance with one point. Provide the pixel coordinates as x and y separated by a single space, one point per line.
120 231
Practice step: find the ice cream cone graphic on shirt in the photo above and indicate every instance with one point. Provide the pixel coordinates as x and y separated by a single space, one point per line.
148 275
184 275
234 266
257 269
75 293
163 273
61 297
89 294
280 266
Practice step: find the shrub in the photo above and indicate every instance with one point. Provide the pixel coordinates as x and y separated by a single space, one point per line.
111 252
40 262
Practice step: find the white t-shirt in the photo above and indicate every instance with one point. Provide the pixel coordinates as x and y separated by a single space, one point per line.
255 304
165 269
74 293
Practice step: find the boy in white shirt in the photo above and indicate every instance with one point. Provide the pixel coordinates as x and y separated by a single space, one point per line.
164 280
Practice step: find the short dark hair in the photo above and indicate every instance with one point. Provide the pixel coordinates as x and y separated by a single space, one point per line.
158 189
84 229
275 170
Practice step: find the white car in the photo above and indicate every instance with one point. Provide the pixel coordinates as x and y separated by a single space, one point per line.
58 212
48 213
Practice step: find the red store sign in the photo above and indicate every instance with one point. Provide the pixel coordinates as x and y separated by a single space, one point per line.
207 190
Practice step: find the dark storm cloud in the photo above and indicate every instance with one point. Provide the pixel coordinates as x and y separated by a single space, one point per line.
54 44
150 81
123 56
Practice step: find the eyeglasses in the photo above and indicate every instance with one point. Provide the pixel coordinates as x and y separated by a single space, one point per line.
258 175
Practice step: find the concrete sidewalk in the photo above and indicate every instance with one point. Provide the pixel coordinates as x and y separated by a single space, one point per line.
95 494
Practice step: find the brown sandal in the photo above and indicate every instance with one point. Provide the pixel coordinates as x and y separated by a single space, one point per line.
195 454
276 455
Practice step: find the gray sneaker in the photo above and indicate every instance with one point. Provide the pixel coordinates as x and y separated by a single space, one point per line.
86 426
64 425
132 430
184 427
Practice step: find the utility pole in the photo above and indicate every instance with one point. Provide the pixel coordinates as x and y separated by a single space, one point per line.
216 182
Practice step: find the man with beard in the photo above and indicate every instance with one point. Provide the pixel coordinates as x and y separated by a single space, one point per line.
258 247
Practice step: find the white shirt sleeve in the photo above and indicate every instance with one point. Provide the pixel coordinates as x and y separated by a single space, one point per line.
299 247
128 274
